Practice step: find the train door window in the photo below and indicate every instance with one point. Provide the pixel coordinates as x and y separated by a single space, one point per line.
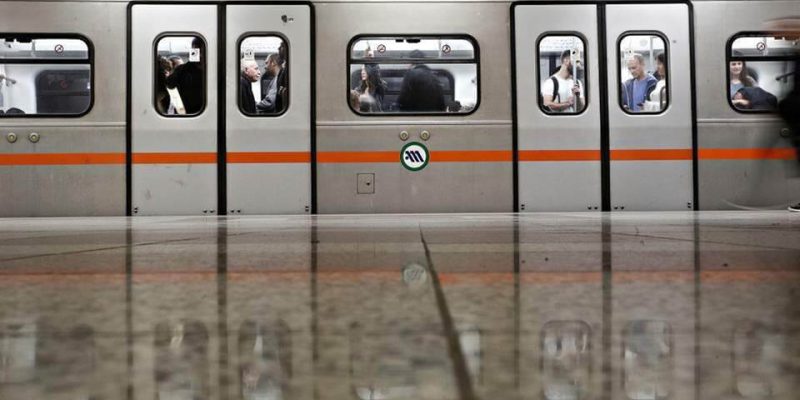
644 73
264 75
180 75
562 74
761 70
435 75
45 75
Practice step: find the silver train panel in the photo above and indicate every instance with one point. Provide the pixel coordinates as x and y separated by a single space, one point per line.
470 186
272 188
440 187
729 184
651 185
562 185
180 188
68 189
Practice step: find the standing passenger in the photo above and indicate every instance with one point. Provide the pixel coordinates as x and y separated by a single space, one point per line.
739 79
639 86
657 100
250 74
268 103
420 89
562 92
188 78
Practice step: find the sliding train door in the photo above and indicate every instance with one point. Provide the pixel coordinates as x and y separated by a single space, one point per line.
220 119
558 127
268 149
604 117
650 137
173 129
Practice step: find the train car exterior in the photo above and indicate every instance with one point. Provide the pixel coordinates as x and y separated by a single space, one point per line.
529 106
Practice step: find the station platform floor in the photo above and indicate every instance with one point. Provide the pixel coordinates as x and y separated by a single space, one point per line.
684 305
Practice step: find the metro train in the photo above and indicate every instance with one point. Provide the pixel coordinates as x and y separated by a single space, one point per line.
244 107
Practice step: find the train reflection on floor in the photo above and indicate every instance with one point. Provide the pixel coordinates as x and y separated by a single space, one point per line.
556 306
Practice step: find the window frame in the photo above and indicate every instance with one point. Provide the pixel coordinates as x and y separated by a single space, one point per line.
729 58
537 58
55 35
619 71
158 39
476 59
239 68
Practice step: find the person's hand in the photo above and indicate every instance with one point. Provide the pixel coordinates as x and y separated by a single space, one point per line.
571 101
741 103
576 90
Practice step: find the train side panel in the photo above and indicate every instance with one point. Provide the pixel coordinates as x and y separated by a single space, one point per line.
77 167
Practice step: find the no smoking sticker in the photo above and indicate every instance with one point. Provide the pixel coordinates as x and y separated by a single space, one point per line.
414 156
59 49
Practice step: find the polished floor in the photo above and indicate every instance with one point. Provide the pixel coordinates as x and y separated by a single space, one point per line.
496 307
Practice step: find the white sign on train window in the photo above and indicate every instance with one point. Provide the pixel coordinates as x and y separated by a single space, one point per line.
412 47
261 44
765 46
26 48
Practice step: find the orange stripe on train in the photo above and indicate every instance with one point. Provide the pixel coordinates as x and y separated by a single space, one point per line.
63 159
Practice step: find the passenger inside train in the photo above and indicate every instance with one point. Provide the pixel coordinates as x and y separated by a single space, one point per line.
761 71
413 75
643 82
562 92
179 83
268 93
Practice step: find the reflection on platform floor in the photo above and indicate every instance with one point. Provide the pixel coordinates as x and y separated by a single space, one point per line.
538 306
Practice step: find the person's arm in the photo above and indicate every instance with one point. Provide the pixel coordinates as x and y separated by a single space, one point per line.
267 104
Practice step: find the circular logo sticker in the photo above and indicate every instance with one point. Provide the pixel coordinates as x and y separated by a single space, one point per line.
415 275
414 156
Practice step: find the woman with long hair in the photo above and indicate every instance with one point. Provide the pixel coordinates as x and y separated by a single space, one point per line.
739 79
372 88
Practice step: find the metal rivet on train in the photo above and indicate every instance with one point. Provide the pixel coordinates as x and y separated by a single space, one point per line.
786 132
425 135
11 137
404 135
33 137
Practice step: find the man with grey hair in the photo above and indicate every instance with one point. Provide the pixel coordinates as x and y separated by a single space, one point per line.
638 88
250 74
269 103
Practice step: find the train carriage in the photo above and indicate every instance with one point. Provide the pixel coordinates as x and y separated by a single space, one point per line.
393 107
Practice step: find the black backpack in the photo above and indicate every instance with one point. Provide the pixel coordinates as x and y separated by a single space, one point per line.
556 96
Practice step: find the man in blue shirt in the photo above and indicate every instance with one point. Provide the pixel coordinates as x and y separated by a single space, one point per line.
638 88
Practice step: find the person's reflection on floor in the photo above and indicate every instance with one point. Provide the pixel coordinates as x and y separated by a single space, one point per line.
181 366
264 360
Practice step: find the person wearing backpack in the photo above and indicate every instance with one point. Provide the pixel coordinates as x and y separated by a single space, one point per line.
561 92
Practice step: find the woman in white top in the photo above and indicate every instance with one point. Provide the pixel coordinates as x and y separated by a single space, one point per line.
657 100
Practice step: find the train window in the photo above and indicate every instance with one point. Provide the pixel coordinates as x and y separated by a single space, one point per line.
562 74
644 73
413 75
761 70
180 75
264 75
45 75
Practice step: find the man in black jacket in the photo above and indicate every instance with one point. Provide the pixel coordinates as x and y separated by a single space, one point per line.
189 79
